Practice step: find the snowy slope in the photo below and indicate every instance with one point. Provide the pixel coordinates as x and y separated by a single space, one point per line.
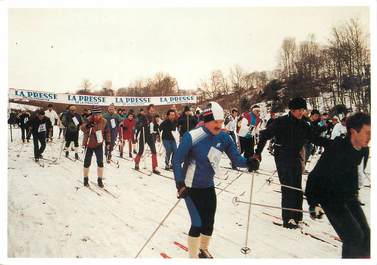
51 215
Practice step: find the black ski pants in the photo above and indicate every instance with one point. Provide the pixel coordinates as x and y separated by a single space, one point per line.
247 146
201 204
89 153
148 140
290 173
25 134
39 138
350 223
71 137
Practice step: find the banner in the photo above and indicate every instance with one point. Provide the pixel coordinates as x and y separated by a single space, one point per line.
73 99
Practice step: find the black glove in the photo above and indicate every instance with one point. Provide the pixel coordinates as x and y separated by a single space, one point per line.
182 190
253 164
316 211
90 124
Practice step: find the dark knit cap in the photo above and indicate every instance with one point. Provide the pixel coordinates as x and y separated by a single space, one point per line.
297 103
96 110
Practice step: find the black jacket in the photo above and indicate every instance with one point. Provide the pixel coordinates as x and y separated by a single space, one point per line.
167 127
143 121
335 176
35 123
23 120
291 135
186 123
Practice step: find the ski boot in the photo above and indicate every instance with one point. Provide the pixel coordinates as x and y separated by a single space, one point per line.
155 171
135 152
100 183
77 156
204 254
121 155
66 153
137 166
291 224
86 181
130 155
167 167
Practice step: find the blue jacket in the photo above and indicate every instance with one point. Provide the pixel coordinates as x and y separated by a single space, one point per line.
200 152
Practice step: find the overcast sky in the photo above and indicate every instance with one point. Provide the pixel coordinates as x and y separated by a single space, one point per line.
55 49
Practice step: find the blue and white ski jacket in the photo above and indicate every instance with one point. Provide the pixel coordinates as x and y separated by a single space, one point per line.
200 153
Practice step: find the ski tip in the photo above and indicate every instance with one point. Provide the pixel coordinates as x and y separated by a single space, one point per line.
164 255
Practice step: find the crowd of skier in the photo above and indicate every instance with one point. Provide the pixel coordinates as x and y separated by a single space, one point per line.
194 141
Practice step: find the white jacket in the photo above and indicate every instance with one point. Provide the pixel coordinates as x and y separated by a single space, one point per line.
52 115
338 130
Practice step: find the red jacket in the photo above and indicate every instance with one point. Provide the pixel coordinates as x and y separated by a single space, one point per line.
128 128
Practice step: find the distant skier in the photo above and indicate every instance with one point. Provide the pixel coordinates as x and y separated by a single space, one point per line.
40 126
186 121
23 120
72 122
145 137
127 127
94 136
113 121
291 133
200 152
333 187
53 116
167 127
246 125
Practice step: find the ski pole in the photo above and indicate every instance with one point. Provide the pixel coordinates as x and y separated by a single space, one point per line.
267 181
145 151
245 250
270 181
236 201
11 135
19 152
158 227
62 145
230 183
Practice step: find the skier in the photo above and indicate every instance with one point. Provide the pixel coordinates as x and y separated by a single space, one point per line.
339 129
231 124
201 151
40 126
72 122
168 126
246 125
127 127
291 133
94 133
113 121
53 116
23 119
332 186
271 143
145 136
186 121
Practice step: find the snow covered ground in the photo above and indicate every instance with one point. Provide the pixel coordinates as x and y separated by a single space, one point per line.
51 214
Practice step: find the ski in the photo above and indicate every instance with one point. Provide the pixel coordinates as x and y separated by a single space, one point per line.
164 255
73 160
90 188
181 246
105 190
164 176
308 234
125 158
316 237
148 173
40 163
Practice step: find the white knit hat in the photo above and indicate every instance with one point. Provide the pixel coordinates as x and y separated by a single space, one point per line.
213 112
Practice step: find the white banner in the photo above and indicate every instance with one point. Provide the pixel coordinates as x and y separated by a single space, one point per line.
73 99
